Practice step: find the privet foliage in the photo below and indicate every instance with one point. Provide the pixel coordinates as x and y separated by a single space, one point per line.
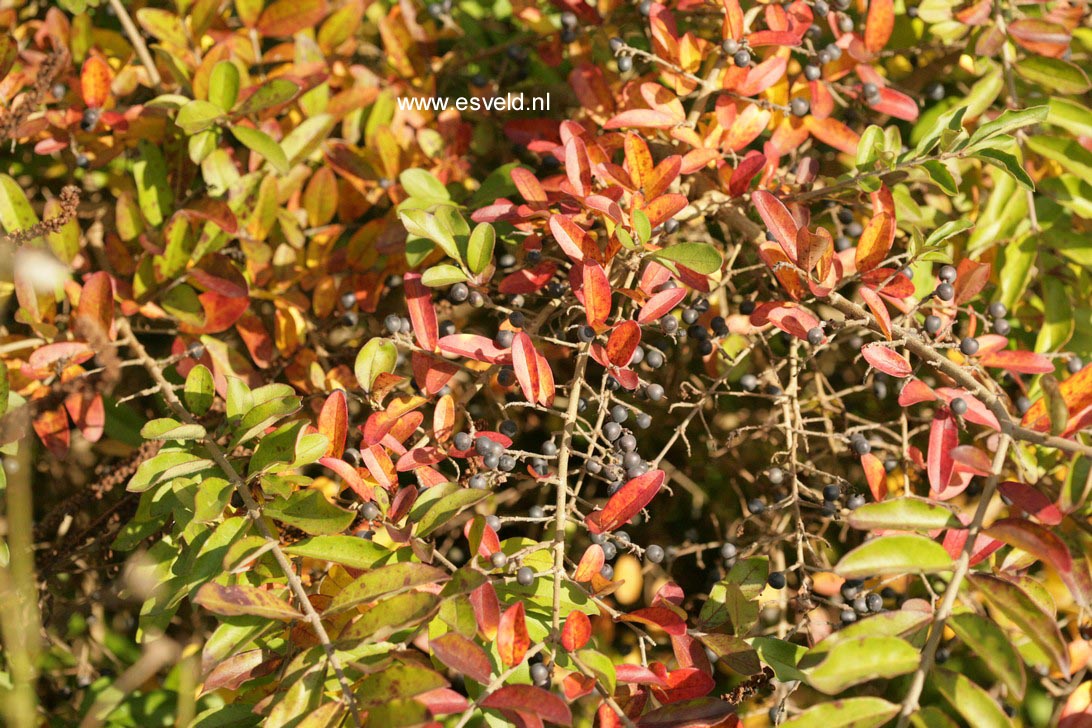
744 386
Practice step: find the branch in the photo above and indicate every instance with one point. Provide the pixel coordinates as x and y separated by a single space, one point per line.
138 41
253 512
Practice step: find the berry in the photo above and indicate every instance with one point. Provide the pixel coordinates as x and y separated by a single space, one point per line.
525 575
845 24
446 328
932 324
540 674
90 119
848 616
749 382
645 7
476 299
82 161
799 107
536 512
969 346
586 334
612 431
728 551
627 443
607 572
870 90
517 319
860 605
1074 364
506 377
776 579
851 588
821 8
654 358
730 47
671 226
742 58
655 392
504 338
507 463
616 44
1001 326
549 448
845 216
719 326
959 406
842 243
945 292
1023 404
459 293
654 553
508 428
370 511
705 347
860 445
747 307
609 550
669 324
855 502
351 456
934 91
874 603
776 476
854 229
393 323
756 506
689 316
812 73
625 64
815 336
619 413
594 467
491 461
644 421
831 492
890 464
499 560
947 273
631 460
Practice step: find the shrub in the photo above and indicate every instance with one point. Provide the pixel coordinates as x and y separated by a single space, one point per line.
742 385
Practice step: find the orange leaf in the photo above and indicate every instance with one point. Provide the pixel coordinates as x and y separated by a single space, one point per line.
875 242
623 342
834 133
638 160
878 308
576 632
811 248
590 563
879 24
462 655
572 238
512 637
333 421
288 17
597 294
875 475
627 502
662 176
422 314
663 208
1076 391
525 362
96 307
95 80
529 699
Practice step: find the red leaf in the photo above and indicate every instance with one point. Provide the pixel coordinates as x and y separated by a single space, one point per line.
971 278
1048 548
512 637
473 346
793 320
571 237
970 459
528 698
879 24
597 293
590 563
96 307
623 342
684 684
529 186
637 675
576 166
943 438
1040 36
351 477
814 248
886 360
834 133
1020 362
576 632
751 164
430 373
662 176
897 104
915 391
528 280
665 618
700 713
663 208
875 475
641 119
525 362
878 308
627 502
422 314
463 656
1032 502
778 220
660 303
333 421
486 609
88 414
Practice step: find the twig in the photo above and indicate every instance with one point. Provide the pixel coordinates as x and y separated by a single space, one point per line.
253 512
137 40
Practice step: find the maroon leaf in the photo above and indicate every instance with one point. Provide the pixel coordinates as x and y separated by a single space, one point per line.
886 360
627 502
463 656
528 698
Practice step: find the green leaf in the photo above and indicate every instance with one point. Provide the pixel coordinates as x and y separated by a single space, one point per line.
5 393
166 428
1058 322
898 554
848 713
309 511
912 514
420 183
427 225
153 190
442 275
211 498
376 357
234 601
859 660
1025 614
733 652
1007 122
972 702
224 85
271 93
1071 116
1054 74
1066 152
262 416
951 120
351 551
305 138
198 115
16 212
479 251
391 615
445 508
1007 162
164 466
941 175
642 226
199 390
781 656
240 399
263 144
699 257
385 580
948 230
993 647
869 147
400 680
